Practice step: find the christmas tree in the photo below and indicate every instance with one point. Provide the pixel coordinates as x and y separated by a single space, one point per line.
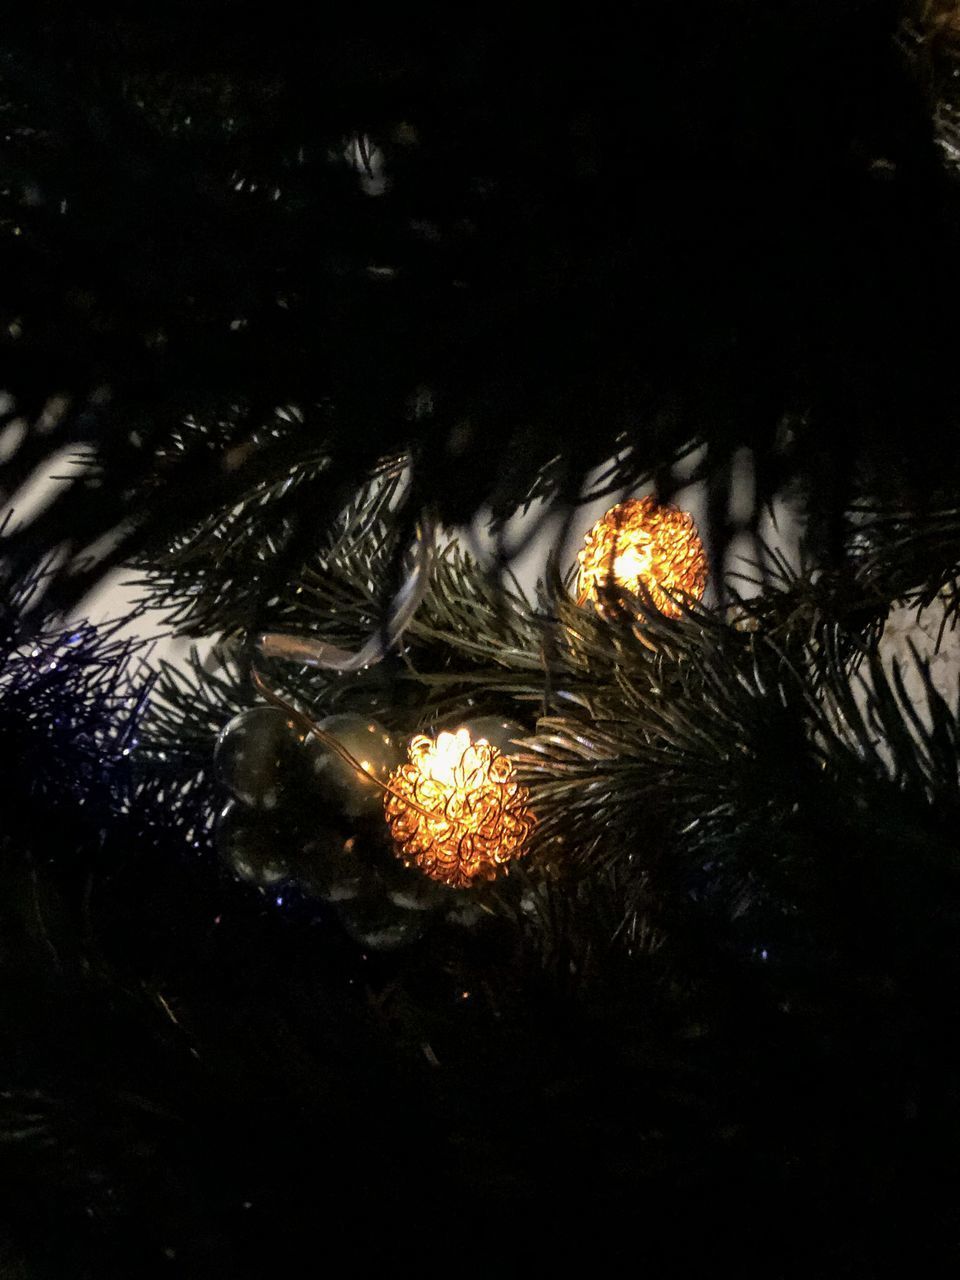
424 909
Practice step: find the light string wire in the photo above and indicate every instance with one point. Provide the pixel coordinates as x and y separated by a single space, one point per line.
309 651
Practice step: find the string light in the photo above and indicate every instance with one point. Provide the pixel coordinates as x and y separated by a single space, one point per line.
456 810
642 544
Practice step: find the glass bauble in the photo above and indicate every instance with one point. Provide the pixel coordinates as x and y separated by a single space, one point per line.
498 732
408 888
376 923
340 785
253 847
256 757
331 867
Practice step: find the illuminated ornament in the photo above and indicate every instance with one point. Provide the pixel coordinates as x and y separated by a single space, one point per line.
456 810
642 543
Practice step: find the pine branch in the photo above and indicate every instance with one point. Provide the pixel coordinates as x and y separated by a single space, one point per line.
443 256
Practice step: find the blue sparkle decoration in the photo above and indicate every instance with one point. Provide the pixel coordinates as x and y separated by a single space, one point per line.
71 701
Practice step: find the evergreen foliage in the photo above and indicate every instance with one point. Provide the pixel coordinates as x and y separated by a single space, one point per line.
297 287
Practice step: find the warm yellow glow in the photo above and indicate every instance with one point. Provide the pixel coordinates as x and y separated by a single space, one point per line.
471 813
439 760
643 542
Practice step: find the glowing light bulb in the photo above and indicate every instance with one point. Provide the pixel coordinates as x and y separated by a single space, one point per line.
456 809
643 545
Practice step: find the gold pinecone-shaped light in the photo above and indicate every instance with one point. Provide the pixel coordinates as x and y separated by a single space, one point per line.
456 809
643 542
